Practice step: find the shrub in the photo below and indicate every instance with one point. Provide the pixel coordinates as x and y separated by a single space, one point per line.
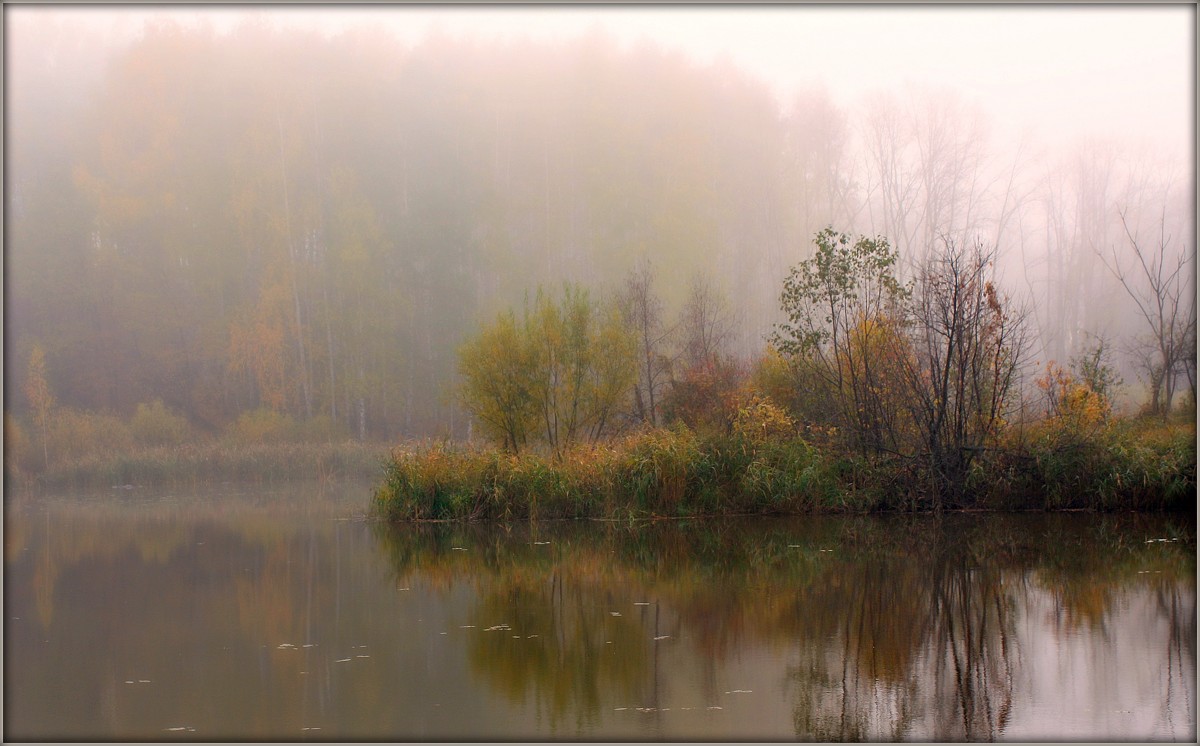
18 451
703 396
74 434
1128 465
758 419
263 425
153 424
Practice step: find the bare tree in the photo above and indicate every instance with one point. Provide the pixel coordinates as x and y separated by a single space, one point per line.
969 347
1159 284
705 373
642 311
706 324
927 172
816 164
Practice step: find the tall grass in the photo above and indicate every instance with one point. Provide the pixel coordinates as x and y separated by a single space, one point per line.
1128 465
676 472
663 472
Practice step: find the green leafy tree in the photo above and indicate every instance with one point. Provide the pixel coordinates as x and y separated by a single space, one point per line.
836 302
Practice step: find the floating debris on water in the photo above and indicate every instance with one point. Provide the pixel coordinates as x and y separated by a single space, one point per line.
530 636
313 727
641 603
614 613
619 709
714 707
309 645
362 656
404 589
647 709
740 691
793 546
662 637
443 633
540 543
143 681
178 728
127 681
342 660
285 645
466 626
458 549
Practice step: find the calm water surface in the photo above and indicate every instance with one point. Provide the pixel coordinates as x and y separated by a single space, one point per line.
249 614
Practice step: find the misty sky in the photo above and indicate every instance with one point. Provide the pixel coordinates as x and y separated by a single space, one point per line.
1057 73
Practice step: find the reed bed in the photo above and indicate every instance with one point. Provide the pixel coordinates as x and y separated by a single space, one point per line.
664 472
675 472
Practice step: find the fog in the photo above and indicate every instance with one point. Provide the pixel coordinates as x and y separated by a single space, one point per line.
308 209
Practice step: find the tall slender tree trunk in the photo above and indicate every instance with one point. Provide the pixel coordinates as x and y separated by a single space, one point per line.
291 249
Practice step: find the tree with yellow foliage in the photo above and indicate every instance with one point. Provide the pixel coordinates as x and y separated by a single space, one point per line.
561 376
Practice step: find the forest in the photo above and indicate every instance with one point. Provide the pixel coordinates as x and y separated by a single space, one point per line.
285 235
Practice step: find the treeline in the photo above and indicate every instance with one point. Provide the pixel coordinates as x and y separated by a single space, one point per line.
875 393
309 225
303 228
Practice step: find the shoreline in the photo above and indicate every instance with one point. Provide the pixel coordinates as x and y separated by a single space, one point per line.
207 463
665 474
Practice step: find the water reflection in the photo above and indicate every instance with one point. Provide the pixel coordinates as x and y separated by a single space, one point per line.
897 628
280 615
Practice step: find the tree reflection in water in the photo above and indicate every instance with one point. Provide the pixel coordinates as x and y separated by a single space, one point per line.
845 628
900 628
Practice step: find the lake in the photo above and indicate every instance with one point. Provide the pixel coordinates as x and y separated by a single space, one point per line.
243 613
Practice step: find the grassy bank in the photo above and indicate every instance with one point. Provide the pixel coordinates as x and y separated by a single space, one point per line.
664 472
1133 464
677 473
212 463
